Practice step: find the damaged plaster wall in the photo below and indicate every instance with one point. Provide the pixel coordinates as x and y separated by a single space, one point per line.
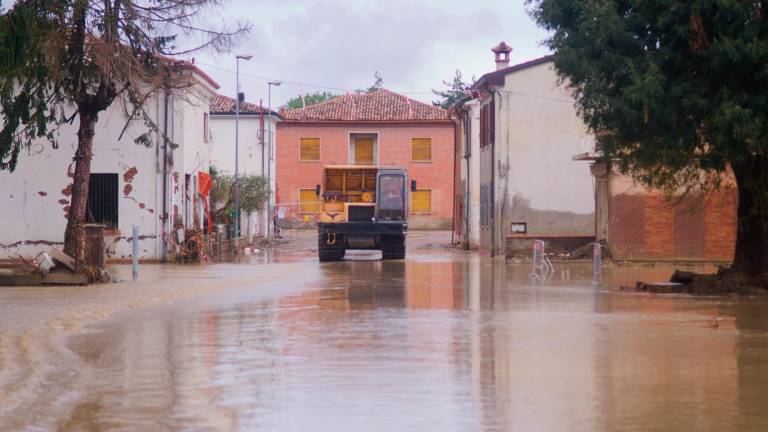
36 197
538 183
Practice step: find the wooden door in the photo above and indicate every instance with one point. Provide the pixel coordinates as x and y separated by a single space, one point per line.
363 151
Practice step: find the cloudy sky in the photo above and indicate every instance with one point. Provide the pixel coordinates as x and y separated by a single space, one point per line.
336 45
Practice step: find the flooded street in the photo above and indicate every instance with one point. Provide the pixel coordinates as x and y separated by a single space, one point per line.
445 340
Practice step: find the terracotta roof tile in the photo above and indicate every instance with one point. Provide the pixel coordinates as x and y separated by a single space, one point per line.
221 104
380 105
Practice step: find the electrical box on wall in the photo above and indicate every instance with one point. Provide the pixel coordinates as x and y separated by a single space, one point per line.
518 228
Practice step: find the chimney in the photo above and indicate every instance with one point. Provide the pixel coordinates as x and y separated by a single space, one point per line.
502 51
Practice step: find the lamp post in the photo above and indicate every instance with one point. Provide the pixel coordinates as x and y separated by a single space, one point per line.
269 156
237 147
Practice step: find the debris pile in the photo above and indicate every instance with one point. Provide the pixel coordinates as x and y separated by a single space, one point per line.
193 248
48 268
724 282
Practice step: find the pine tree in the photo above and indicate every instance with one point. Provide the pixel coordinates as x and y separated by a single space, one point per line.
455 90
378 82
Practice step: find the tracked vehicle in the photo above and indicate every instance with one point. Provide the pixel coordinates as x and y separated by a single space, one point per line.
362 207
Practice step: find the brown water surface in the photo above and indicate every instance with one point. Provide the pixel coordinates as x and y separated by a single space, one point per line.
439 342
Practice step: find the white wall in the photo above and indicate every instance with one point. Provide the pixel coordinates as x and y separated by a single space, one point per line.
35 197
470 173
223 143
537 134
250 156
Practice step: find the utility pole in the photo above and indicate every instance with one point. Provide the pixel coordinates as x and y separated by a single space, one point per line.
269 156
236 240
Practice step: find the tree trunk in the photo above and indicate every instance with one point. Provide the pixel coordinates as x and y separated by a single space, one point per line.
74 236
752 227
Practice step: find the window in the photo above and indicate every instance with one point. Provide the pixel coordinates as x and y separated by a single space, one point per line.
310 150
391 187
102 199
308 201
421 149
363 151
206 130
421 201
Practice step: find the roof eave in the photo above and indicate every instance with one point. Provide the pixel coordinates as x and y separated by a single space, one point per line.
420 121
245 113
496 78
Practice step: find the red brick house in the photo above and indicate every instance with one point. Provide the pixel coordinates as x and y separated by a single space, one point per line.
379 128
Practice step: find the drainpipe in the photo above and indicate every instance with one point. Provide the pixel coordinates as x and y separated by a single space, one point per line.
165 233
493 177
158 169
468 157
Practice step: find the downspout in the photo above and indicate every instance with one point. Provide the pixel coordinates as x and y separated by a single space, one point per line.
166 234
492 199
468 158
158 169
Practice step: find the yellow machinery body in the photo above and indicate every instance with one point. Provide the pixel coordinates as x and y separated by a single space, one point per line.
347 188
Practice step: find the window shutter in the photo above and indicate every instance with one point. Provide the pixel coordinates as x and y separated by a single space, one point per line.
421 201
308 201
364 151
482 125
421 149
310 149
492 117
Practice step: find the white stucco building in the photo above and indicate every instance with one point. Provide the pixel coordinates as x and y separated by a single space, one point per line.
254 158
517 134
154 187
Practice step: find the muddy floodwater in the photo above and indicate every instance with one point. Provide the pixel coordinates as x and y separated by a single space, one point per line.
443 341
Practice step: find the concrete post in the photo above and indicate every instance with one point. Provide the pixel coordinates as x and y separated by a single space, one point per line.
135 257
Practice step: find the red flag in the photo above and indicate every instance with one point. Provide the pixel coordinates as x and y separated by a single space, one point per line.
205 181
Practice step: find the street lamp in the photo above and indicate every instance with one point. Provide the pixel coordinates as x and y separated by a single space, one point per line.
237 147
269 156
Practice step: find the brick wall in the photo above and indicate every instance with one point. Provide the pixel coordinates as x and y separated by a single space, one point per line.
645 225
394 149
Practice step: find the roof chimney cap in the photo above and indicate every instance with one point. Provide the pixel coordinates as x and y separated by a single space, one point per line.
502 51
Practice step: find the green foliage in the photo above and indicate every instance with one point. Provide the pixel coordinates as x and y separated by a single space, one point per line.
254 193
309 99
455 90
671 88
64 59
28 99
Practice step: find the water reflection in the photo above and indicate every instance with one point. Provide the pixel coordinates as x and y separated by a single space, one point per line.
458 343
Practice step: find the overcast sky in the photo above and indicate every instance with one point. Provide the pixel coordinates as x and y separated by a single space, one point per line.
414 44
